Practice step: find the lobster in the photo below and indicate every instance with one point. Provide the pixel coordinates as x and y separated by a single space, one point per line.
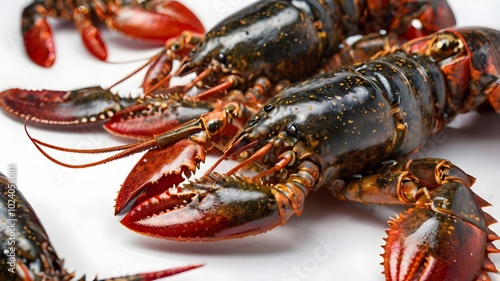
350 131
27 253
229 67
150 21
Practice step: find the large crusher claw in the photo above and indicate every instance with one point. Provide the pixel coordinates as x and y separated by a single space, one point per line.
214 208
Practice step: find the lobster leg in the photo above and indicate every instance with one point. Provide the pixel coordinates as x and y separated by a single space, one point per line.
37 35
444 236
493 92
489 97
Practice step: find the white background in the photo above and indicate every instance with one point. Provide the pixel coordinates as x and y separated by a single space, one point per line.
76 206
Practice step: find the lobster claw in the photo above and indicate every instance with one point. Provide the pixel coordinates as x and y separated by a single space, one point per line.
37 36
217 207
443 242
154 22
158 170
81 106
176 48
433 16
214 208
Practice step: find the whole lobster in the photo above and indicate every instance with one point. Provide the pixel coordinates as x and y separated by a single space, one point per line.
338 130
27 253
152 21
237 60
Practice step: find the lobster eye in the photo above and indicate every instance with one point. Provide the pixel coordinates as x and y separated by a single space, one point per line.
268 107
253 121
221 57
292 130
446 46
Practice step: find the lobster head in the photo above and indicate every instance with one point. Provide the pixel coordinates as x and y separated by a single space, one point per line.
274 141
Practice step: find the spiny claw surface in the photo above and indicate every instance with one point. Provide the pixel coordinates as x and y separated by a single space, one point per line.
158 170
437 244
441 248
217 207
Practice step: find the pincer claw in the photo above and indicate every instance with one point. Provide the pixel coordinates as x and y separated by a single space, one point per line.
215 208
158 170
81 106
441 242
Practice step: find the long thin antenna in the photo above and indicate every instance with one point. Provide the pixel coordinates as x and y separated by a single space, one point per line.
125 150
152 59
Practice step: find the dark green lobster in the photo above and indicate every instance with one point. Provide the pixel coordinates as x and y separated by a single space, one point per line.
349 131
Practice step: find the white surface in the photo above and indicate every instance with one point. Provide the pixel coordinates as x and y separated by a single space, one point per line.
76 206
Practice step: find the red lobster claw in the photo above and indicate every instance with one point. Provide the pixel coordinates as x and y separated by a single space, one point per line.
435 243
155 115
214 208
80 106
155 23
160 168
217 208
37 36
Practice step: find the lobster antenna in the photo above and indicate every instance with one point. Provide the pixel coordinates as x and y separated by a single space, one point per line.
167 78
164 80
129 61
228 154
258 154
125 150
148 62
157 274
